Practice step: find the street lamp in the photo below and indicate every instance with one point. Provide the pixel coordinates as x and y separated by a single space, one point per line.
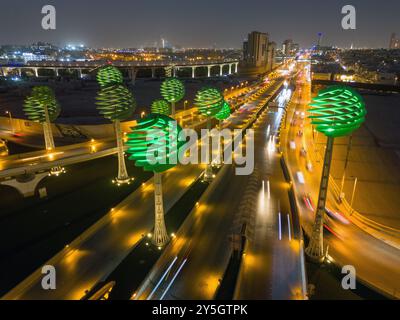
337 111
11 122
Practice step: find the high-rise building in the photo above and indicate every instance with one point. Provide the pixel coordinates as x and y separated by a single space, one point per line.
394 42
258 54
255 49
287 47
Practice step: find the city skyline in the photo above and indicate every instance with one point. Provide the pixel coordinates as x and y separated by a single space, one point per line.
222 25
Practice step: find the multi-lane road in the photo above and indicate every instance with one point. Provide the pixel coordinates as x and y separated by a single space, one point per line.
193 265
377 263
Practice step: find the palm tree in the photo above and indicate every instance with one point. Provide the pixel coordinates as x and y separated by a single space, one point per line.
156 136
116 103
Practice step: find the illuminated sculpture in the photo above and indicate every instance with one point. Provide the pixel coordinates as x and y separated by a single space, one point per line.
209 102
224 113
153 145
173 91
41 106
161 107
337 111
116 103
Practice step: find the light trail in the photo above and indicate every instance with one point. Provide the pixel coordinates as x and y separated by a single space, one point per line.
162 278
173 279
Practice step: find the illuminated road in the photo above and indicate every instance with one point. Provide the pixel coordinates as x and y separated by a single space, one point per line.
193 264
271 267
98 251
377 264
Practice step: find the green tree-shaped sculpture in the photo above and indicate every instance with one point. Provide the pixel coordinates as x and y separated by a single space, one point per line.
337 111
153 145
41 106
173 91
209 102
222 115
116 103
161 107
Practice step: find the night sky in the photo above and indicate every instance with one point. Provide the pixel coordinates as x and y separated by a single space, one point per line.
197 23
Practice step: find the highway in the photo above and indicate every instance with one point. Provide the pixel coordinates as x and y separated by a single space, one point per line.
194 263
271 267
97 252
377 263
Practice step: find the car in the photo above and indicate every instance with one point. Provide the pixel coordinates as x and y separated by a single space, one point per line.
308 202
309 166
300 177
337 216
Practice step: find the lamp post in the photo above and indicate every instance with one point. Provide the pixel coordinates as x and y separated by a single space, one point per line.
337 111
11 122
354 192
341 193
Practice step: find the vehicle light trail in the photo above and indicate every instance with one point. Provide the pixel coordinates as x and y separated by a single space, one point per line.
162 278
173 279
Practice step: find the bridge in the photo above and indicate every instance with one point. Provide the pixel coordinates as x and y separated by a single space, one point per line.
131 68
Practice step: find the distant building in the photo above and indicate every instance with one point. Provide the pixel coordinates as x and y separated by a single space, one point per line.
255 49
394 42
258 54
271 56
287 47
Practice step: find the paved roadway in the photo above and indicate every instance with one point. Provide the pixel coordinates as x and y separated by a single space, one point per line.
92 256
377 263
272 265
193 264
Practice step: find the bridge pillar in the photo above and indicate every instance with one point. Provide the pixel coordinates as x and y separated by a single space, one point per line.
236 67
193 72
221 69
153 73
230 68
174 71
209 71
56 72
26 188
79 73
132 73
36 72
